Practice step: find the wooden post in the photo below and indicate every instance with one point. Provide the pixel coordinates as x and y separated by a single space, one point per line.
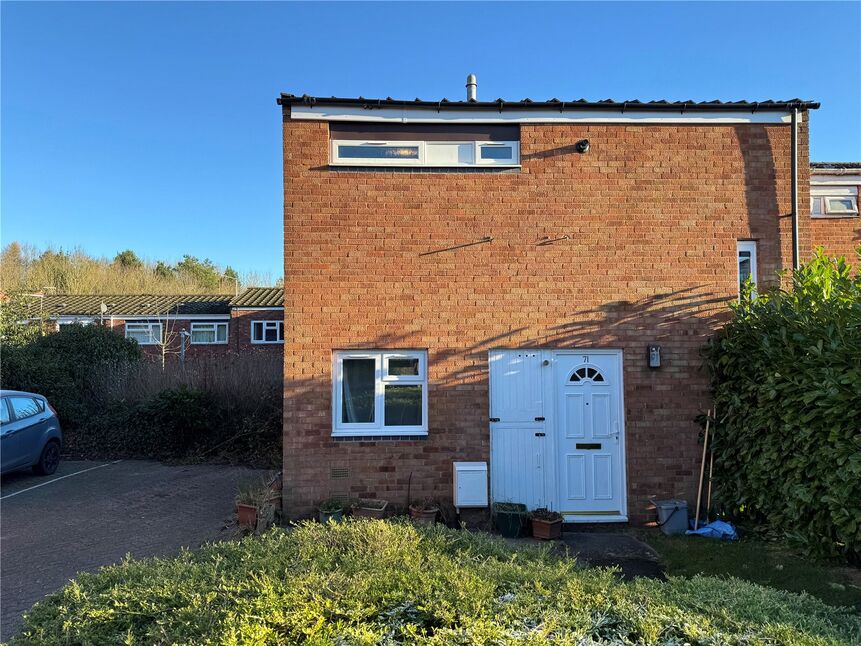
702 470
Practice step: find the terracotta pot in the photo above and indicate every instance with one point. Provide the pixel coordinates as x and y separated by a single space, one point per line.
547 530
421 515
370 512
246 515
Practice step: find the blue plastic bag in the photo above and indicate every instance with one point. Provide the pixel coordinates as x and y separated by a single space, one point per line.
719 529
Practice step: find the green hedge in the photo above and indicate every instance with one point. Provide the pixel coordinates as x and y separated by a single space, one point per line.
378 582
60 366
787 382
115 403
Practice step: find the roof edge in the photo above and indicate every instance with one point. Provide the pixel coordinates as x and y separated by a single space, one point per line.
286 99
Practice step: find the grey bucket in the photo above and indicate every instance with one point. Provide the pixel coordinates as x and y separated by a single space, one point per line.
672 516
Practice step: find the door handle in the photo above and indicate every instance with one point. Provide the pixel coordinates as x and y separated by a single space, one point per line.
616 430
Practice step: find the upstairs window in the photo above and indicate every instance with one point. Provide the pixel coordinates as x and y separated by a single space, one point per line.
208 333
834 201
433 145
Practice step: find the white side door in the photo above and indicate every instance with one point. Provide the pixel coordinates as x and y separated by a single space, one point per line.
590 435
518 439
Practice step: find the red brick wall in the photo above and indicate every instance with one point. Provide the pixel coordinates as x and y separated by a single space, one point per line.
240 330
839 236
653 214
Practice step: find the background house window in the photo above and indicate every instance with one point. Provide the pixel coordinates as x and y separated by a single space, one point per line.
144 333
208 333
746 263
833 201
267 332
380 392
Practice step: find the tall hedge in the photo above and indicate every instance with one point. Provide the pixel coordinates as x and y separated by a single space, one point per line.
60 365
787 380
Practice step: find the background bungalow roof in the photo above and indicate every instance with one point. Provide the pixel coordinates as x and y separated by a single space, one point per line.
525 104
129 304
259 297
836 165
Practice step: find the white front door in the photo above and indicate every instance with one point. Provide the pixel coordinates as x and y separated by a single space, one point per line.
557 432
589 435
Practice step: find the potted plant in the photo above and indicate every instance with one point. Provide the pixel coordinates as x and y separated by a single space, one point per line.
331 511
249 500
424 512
546 524
510 518
370 508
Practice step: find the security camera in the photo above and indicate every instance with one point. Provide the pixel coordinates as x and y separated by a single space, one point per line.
582 146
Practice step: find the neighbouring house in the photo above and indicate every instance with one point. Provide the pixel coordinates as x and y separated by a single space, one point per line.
524 285
835 224
208 324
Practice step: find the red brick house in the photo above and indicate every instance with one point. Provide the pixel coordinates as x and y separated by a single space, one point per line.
835 223
522 284
208 324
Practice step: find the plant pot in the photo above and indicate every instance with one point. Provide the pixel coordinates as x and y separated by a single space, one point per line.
547 530
511 523
371 512
246 515
422 515
327 517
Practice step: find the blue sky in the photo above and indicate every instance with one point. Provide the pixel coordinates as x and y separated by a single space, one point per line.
153 126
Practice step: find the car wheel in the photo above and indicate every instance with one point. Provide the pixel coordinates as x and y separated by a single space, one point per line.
49 460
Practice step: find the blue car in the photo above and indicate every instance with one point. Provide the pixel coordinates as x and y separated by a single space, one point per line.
30 434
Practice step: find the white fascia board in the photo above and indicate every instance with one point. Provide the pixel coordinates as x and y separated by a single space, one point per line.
240 308
834 180
168 317
568 115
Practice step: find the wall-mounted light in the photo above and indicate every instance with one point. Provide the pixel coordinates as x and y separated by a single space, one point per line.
654 356
582 146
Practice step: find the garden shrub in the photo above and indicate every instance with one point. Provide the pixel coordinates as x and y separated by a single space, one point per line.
115 403
378 582
60 366
787 381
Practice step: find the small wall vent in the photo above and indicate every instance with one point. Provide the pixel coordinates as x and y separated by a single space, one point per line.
339 473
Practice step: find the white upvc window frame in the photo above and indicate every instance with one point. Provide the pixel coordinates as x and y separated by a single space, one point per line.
748 246
422 160
827 193
202 325
268 324
381 379
140 326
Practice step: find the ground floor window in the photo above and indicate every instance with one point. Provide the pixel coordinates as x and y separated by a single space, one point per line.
267 332
379 392
144 333
746 263
208 333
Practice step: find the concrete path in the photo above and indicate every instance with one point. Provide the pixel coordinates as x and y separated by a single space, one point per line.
606 549
91 514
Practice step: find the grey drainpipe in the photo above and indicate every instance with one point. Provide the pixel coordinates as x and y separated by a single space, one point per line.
794 170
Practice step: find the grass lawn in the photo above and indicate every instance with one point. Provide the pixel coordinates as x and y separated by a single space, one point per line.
770 564
378 582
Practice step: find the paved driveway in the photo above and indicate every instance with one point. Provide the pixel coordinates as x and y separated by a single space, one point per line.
91 514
